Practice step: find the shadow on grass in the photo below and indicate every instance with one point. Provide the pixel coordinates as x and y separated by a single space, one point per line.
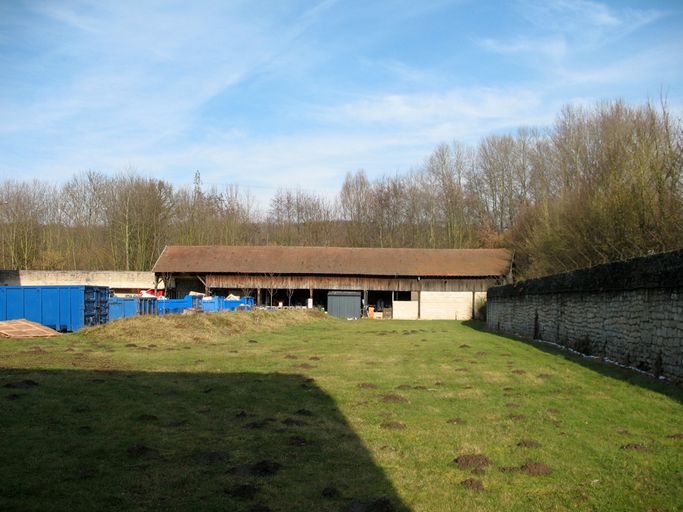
607 369
95 440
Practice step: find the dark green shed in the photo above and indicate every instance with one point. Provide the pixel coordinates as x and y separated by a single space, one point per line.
344 304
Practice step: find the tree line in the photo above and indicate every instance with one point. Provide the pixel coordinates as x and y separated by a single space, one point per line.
603 183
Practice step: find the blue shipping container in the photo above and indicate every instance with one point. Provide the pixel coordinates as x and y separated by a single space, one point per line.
123 307
63 308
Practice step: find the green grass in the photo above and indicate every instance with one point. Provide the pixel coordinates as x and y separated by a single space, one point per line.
176 422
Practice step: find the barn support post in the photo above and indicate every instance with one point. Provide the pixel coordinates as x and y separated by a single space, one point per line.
258 296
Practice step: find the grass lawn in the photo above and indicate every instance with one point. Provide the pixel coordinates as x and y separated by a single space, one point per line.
291 412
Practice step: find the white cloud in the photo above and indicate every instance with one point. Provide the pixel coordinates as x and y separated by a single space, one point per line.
554 47
586 23
423 108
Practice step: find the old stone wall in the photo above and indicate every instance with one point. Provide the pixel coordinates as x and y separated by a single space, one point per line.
630 312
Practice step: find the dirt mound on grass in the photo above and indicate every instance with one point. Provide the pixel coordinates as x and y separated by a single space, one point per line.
22 384
634 446
393 425
140 451
536 468
176 329
676 436
471 461
394 398
261 468
527 443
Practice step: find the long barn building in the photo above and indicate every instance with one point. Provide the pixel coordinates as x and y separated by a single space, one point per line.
406 283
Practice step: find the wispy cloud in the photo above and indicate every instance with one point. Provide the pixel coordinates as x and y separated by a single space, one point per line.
586 22
554 47
429 108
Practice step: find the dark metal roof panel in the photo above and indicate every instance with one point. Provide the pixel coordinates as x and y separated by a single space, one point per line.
333 261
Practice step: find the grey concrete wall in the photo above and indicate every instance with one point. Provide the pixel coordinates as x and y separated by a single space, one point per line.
629 312
113 279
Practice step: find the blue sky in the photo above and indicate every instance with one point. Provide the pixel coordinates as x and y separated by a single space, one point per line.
296 94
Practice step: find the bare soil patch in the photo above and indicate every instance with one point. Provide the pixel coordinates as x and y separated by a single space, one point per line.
140 451
528 443
512 405
471 461
293 422
403 387
517 417
473 484
147 417
536 468
259 424
22 384
394 398
367 385
519 372
297 441
314 358
330 492
634 446
676 436
261 468
393 425
455 421
291 356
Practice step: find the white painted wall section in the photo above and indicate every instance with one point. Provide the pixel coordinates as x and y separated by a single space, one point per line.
446 305
404 310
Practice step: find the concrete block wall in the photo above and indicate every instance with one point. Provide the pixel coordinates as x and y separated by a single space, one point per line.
630 313
404 310
437 306
113 279
446 305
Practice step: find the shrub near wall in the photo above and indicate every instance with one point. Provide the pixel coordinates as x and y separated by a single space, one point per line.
629 312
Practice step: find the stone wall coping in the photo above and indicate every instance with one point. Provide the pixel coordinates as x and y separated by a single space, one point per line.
662 271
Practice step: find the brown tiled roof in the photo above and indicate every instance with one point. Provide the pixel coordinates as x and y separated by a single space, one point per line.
222 259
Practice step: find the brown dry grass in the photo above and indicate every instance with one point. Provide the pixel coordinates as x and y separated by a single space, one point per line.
203 327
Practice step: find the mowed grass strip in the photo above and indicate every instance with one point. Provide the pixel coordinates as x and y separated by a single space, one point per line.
288 411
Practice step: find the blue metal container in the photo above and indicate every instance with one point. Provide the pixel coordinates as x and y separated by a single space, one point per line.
245 303
122 307
63 308
170 306
212 304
